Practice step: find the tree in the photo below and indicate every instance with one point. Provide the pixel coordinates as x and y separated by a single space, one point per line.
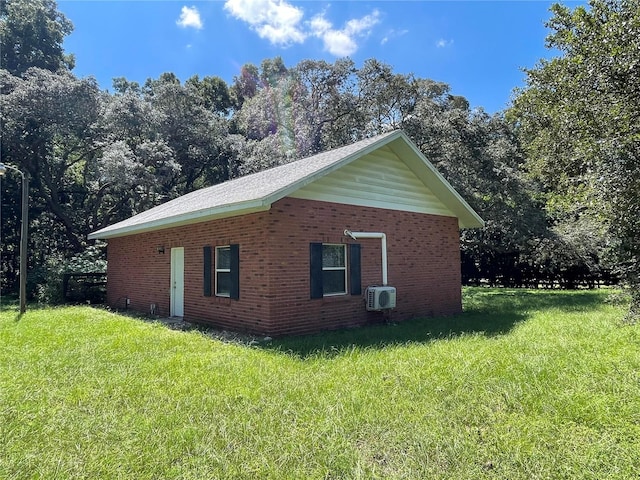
246 85
32 32
212 93
272 70
136 169
481 157
294 113
579 118
327 102
192 121
386 99
48 131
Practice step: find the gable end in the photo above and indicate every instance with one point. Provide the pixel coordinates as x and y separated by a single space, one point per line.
379 179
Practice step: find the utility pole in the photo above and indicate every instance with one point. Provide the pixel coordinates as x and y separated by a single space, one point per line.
23 234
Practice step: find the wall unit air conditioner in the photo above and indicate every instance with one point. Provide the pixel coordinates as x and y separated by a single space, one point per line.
381 298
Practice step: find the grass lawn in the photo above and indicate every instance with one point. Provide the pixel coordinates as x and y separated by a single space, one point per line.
523 385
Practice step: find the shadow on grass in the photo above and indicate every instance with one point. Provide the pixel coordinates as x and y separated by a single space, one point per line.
9 303
487 311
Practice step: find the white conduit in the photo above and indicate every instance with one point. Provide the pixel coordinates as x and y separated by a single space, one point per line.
380 235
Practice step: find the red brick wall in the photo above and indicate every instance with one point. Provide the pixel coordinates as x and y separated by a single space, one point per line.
423 263
423 258
136 270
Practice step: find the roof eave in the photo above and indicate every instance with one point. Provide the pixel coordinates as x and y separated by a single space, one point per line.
233 210
474 221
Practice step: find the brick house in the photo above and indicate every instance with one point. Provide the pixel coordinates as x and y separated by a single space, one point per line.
350 236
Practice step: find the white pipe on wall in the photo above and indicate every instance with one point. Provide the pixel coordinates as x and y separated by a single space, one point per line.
383 238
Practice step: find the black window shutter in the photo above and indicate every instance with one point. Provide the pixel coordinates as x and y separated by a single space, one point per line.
206 251
355 280
234 252
315 250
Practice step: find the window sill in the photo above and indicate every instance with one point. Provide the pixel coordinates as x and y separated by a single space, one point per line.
337 298
340 294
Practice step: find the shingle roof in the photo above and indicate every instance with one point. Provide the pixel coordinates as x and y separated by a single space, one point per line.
246 194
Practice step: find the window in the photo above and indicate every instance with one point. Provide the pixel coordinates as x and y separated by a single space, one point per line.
334 269
328 264
223 271
226 272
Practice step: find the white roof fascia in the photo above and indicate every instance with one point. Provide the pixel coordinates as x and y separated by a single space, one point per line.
184 219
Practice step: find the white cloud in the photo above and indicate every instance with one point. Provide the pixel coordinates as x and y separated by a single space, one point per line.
189 18
363 25
339 43
393 34
319 24
281 24
343 42
442 43
275 20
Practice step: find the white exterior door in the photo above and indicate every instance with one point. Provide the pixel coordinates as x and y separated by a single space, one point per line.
177 282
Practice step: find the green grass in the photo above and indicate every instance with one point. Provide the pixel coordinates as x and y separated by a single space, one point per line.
524 385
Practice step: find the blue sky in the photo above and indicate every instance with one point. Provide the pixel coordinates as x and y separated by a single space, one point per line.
477 47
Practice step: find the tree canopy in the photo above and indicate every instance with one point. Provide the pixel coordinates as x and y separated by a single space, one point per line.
578 118
32 33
